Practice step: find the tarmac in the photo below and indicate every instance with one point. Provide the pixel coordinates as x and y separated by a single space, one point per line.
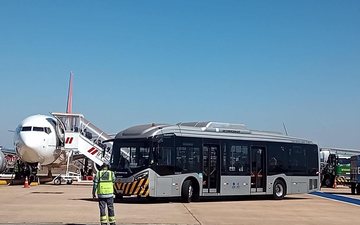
73 205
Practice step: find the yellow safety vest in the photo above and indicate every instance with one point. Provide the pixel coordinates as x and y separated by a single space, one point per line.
105 185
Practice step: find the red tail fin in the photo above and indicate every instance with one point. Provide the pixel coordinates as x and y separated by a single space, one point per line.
70 93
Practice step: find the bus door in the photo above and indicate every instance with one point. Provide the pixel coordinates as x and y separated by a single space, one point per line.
211 169
258 169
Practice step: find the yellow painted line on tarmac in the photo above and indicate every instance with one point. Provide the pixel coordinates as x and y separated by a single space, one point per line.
3 182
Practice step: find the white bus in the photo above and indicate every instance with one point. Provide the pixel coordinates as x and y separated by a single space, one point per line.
190 160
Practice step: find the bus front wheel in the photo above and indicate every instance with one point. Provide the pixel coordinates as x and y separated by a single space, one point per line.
187 191
279 190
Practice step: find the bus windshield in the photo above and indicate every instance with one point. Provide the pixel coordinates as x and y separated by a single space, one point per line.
130 156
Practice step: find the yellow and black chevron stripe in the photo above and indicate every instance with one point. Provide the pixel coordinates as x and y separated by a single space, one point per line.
342 180
139 187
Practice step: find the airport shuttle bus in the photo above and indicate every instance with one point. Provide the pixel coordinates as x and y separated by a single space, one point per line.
190 160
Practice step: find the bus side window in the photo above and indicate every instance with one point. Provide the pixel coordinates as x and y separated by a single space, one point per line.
273 162
297 157
235 159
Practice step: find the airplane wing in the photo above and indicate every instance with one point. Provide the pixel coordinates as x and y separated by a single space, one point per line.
8 151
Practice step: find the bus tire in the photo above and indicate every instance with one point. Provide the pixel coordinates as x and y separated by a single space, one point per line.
187 191
279 189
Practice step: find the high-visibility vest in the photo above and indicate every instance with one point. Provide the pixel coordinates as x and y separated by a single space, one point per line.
105 185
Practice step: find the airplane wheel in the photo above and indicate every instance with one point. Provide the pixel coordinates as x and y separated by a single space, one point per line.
57 181
69 181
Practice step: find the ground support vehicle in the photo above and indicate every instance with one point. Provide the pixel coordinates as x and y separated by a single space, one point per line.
336 171
67 178
335 166
355 174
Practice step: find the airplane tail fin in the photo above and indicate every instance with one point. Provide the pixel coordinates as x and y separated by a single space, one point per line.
70 93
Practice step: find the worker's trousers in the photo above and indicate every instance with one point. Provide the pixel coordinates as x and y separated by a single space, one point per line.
109 204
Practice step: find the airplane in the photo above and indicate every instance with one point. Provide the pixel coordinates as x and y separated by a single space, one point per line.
2 162
40 139
7 159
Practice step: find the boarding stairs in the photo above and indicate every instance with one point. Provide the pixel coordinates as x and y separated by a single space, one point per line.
83 137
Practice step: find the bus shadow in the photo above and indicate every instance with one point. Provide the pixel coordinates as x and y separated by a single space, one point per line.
248 198
202 199
134 200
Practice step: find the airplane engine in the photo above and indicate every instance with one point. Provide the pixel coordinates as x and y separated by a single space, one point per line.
2 162
38 139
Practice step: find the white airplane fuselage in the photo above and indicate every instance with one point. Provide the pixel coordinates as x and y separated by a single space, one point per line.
37 140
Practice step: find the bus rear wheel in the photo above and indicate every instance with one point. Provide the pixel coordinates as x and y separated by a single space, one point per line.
187 191
279 190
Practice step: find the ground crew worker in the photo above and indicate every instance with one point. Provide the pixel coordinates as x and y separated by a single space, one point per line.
104 187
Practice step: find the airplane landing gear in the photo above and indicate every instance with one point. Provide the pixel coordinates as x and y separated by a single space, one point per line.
23 170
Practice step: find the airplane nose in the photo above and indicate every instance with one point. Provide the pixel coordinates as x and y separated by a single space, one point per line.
28 147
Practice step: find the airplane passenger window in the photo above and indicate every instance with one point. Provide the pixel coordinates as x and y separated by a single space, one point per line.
38 129
26 129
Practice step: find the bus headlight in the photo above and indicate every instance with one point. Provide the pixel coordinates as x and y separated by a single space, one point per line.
141 175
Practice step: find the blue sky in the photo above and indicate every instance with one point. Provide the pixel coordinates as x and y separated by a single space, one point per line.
262 63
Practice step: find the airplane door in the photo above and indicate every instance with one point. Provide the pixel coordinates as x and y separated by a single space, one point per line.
258 169
211 169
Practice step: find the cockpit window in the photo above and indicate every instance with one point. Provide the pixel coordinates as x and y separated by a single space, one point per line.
47 130
26 129
38 129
